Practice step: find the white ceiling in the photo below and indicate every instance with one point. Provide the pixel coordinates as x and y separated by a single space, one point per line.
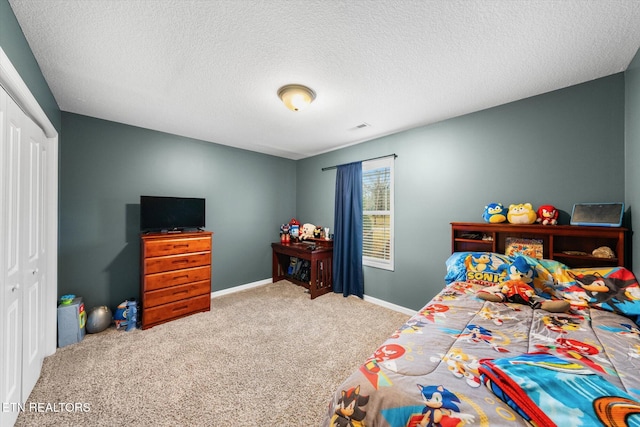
211 69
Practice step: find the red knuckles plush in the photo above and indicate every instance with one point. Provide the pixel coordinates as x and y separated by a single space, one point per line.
547 215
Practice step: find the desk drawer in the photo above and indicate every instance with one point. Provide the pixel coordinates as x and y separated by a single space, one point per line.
176 309
176 293
167 279
177 246
176 262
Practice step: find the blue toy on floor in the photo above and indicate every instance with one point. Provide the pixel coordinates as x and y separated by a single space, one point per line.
126 315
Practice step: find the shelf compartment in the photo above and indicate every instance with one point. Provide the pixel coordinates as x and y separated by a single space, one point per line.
556 239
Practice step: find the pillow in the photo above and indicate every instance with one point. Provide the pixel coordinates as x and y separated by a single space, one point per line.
488 269
610 288
485 268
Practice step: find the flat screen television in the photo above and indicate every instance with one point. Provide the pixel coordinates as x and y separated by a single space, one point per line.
171 213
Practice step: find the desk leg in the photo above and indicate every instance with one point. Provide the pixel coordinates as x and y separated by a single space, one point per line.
276 273
321 277
313 285
327 274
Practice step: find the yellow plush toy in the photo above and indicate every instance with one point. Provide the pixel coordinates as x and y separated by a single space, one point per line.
521 214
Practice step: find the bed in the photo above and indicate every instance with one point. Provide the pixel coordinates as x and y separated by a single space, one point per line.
461 360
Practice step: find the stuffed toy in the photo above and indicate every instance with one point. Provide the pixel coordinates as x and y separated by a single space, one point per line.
307 231
517 291
547 215
317 233
284 233
126 315
521 270
294 229
521 214
494 213
284 229
603 252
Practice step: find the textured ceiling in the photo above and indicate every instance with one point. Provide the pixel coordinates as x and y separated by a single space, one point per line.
211 69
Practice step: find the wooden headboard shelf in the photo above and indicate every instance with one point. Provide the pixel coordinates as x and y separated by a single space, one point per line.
570 244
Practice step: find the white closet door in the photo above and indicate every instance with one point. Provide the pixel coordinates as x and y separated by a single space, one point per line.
28 240
10 258
33 153
23 261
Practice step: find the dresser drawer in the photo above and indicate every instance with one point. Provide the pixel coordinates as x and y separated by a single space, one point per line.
176 262
152 282
176 246
176 293
176 309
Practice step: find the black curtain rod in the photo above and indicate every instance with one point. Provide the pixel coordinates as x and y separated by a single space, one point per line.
365 160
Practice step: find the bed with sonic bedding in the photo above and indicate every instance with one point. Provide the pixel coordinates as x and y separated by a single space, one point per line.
469 359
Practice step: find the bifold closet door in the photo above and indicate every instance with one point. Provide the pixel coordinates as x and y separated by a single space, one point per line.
11 335
33 165
22 261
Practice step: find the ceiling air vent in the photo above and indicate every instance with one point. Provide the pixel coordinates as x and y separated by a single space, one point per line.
361 126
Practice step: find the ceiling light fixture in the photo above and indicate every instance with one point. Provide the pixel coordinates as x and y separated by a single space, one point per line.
296 97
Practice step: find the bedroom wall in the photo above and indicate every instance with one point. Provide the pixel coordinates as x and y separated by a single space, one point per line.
15 46
558 148
106 166
632 151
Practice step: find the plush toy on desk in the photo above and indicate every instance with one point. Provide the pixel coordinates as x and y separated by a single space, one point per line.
307 231
547 215
317 232
494 213
294 230
519 292
284 233
521 214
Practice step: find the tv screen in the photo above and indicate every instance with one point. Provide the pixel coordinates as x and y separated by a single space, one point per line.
171 213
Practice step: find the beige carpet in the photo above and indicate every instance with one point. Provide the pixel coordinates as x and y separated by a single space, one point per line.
267 356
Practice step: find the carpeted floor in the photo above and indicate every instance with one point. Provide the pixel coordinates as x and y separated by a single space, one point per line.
267 356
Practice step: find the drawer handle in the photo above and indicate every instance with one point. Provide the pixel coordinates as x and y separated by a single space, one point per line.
180 261
185 291
180 308
184 245
184 276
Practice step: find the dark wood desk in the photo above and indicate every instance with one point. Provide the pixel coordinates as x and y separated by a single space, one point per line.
320 258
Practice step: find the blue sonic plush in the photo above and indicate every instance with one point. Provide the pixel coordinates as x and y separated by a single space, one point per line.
126 315
494 213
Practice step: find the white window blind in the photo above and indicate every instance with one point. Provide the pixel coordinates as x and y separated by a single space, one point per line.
377 213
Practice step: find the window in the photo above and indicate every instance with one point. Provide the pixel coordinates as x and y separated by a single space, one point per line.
377 213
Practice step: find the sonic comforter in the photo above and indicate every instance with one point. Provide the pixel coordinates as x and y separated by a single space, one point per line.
465 361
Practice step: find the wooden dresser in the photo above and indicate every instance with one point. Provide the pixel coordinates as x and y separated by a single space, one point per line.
175 276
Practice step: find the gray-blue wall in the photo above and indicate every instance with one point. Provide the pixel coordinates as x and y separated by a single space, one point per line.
561 148
15 46
558 148
106 166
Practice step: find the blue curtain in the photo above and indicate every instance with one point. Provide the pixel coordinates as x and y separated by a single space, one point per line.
348 277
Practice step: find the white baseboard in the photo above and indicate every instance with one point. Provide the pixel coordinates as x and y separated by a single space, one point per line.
367 298
390 306
240 288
